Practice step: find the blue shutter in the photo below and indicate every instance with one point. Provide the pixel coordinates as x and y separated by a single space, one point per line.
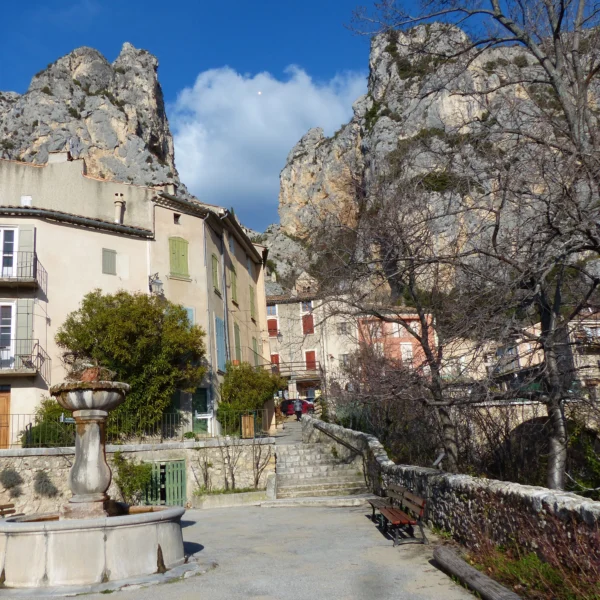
221 355
190 314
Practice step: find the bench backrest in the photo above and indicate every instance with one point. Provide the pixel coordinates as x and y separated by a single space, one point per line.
406 499
7 509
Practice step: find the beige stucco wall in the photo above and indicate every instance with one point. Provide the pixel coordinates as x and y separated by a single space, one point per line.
63 186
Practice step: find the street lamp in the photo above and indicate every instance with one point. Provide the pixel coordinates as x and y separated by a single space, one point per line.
155 285
279 337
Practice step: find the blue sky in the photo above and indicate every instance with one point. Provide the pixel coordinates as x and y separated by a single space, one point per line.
215 58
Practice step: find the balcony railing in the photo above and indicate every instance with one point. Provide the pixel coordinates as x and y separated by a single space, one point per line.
298 370
23 268
24 357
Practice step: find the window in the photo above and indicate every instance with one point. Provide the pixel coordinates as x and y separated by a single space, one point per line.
176 218
178 254
200 401
9 255
275 363
255 351
238 342
7 342
415 327
231 244
109 261
343 328
252 304
307 307
215 273
308 325
272 327
221 352
406 351
272 310
234 296
311 360
310 394
345 359
249 265
190 315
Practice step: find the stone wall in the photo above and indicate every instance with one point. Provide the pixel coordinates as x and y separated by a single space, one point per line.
216 457
471 508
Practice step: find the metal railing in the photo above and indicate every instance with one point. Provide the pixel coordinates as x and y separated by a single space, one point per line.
24 355
300 369
58 430
24 266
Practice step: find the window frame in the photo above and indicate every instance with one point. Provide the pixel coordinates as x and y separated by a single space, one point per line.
15 251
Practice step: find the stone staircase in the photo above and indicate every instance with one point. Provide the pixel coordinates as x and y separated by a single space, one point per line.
309 470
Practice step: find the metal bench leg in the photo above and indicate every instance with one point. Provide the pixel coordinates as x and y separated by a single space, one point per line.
424 540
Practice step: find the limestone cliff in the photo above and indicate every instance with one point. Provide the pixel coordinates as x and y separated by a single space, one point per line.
113 115
411 95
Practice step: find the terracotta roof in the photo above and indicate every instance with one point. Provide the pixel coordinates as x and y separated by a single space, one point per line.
289 299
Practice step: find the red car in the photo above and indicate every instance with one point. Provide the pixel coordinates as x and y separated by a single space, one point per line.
287 407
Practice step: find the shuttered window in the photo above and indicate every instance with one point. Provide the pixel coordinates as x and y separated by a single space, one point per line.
308 325
215 272
272 327
109 261
252 304
249 265
221 354
238 342
190 315
255 350
234 296
178 255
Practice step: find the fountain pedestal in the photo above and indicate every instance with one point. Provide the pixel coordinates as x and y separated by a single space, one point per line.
90 474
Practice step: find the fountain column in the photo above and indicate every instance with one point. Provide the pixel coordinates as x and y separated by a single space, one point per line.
90 474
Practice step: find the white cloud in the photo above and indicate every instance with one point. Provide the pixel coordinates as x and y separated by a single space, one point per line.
231 141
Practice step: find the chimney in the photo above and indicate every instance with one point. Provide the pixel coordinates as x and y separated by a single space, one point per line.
119 206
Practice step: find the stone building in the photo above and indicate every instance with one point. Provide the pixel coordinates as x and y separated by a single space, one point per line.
64 233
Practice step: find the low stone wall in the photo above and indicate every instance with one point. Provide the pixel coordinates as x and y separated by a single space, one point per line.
44 472
472 508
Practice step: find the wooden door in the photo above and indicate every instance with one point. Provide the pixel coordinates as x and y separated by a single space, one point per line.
311 360
4 419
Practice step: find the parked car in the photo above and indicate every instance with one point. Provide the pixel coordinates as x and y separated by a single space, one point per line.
287 407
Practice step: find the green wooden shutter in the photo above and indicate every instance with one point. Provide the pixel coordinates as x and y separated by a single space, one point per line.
234 285
109 261
26 238
215 272
252 306
238 342
178 254
255 348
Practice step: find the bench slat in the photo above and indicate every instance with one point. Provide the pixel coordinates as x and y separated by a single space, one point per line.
414 498
7 512
397 517
3 506
378 503
418 510
396 488
394 495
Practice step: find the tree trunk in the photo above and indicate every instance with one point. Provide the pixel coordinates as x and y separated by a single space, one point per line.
557 456
449 439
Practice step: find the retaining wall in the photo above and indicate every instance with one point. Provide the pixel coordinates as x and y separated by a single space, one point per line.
216 454
471 508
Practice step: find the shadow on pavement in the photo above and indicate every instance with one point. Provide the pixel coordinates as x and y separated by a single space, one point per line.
192 548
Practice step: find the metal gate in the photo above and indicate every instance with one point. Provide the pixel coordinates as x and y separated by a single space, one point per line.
168 483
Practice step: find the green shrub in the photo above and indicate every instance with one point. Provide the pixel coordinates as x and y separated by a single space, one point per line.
46 90
48 431
9 478
520 61
73 112
131 478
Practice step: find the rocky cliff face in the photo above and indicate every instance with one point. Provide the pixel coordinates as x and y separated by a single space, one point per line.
410 96
112 115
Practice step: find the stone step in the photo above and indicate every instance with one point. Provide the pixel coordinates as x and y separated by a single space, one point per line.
320 490
321 470
289 450
322 501
324 458
294 480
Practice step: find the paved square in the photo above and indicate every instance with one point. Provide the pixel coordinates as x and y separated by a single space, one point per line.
301 554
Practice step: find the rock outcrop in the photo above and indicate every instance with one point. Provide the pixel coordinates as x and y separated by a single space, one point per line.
411 96
113 115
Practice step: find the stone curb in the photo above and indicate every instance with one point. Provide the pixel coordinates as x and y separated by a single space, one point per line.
192 568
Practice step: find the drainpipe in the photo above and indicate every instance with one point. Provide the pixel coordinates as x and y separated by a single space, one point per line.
224 288
210 324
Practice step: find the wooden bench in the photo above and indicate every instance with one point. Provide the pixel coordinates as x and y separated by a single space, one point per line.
6 510
399 511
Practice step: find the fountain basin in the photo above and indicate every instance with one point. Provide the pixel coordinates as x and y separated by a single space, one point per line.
40 551
93 395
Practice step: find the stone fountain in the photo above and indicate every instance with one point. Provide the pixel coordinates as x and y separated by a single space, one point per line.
92 539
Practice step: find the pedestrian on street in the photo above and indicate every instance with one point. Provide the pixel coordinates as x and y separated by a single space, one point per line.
298 408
